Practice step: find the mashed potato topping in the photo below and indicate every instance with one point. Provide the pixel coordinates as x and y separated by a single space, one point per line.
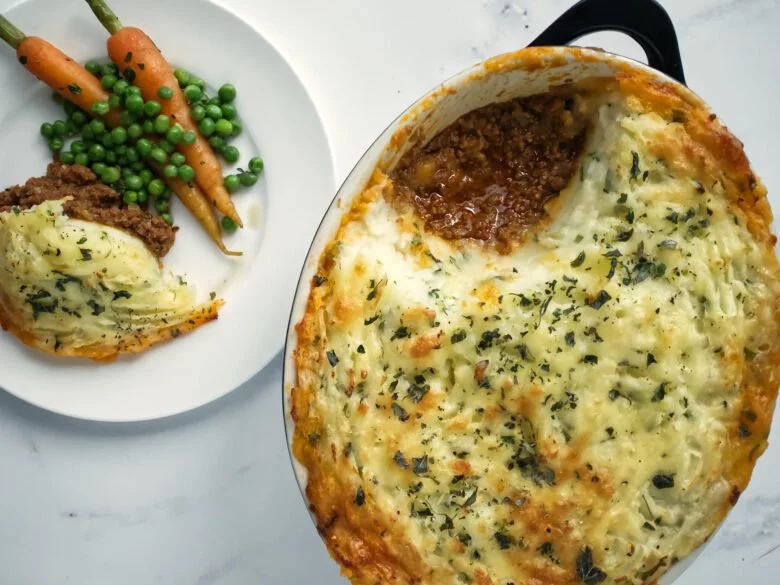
79 288
584 409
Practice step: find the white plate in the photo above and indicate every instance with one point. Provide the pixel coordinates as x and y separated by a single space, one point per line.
281 212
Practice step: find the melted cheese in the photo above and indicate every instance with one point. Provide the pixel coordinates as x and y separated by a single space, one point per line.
562 414
76 287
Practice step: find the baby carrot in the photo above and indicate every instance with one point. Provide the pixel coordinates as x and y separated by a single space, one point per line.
57 70
142 64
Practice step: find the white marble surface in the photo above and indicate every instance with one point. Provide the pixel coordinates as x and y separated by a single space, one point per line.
209 497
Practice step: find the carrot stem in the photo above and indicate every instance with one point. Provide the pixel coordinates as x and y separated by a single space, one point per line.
9 33
106 16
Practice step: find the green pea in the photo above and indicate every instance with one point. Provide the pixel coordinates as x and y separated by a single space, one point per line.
165 92
109 69
231 154
111 157
165 195
100 108
126 118
78 146
186 173
248 179
170 171
132 154
174 134
106 140
182 76
126 173
224 127
152 108
256 165
160 204
120 87
167 218
58 99
229 225
70 128
189 138
119 135
111 175
214 112
146 176
148 126
120 149
213 101
237 127
227 93
99 168
86 133
133 90
47 130
134 182
193 93
79 118
161 124
94 68
195 80
156 186
60 128
108 80
134 103
134 131
198 112
207 127
232 183
97 127
96 152
69 108
144 147
81 159
121 160
114 101
178 159
130 197
67 158
137 166
158 155
229 111
143 196
166 145
217 143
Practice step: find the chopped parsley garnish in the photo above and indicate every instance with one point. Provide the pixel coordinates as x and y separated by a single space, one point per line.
420 465
401 333
458 336
333 359
660 393
578 260
635 171
399 411
400 460
504 540
663 481
360 497
587 572
600 300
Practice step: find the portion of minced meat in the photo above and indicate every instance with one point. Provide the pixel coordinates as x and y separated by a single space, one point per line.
490 174
92 201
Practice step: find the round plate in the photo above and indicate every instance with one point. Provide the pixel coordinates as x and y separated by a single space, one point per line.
280 213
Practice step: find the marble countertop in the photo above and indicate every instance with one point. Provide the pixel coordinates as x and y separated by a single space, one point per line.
209 497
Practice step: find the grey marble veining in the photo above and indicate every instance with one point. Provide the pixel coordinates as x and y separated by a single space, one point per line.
208 497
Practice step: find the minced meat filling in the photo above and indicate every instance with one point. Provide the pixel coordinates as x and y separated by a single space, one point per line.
489 175
92 201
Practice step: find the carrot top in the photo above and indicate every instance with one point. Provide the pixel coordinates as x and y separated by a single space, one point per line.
106 16
10 34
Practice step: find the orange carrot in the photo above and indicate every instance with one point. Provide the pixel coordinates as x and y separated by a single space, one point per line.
64 75
142 64
194 199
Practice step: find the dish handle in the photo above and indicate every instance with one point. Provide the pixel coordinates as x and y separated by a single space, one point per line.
645 21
